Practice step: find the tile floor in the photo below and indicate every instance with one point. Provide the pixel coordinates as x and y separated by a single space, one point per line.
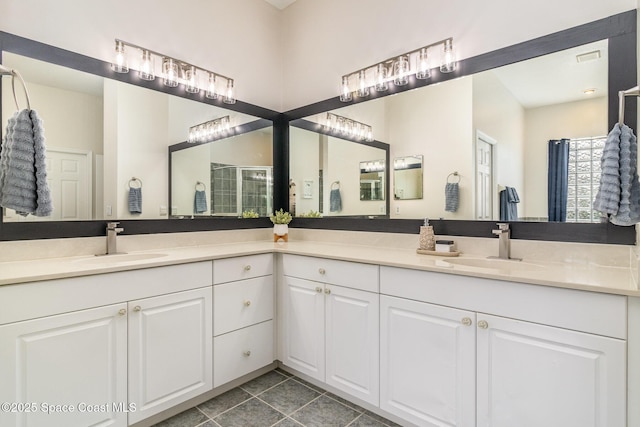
276 399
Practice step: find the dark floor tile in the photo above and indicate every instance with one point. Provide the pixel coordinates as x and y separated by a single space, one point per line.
345 402
263 382
323 412
289 396
288 422
364 421
381 419
252 413
209 424
189 418
225 401
283 372
308 384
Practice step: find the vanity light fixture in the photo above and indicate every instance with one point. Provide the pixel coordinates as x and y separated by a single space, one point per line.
397 70
346 127
210 130
173 71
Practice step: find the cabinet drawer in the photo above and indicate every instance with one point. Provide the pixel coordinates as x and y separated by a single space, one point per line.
240 304
239 268
238 353
341 273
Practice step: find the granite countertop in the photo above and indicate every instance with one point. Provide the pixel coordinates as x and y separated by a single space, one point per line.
582 276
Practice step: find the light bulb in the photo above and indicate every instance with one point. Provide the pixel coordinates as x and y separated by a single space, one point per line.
191 79
211 88
363 88
119 64
422 69
229 97
147 71
449 63
369 134
345 92
382 75
401 71
327 123
170 71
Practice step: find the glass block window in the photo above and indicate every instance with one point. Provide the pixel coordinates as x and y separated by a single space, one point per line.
584 178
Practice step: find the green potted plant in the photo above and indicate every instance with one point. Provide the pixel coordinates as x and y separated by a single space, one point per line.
250 214
280 220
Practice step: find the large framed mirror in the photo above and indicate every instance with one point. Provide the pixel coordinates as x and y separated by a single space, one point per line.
491 122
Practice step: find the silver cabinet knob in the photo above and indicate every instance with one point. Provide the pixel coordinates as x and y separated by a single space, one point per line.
482 324
466 321
247 353
247 303
327 291
122 312
247 267
322 271
137 308
318 289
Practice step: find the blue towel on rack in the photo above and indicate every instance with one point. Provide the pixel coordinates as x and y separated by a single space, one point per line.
335 201
200 202
508 204
135 200
451 196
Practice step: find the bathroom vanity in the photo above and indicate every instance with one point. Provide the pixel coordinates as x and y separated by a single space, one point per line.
417 339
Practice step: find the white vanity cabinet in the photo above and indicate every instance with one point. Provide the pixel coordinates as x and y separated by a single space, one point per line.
170 350
541 356
330 314
243 316
114 348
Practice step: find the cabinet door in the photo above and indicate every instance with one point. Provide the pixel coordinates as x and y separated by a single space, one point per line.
303 327
170 350
427 360
352 342
75 359
531 375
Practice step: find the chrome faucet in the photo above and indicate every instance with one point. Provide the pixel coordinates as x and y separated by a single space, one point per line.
504 244
112 233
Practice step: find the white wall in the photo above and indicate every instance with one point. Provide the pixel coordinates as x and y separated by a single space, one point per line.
189 166
570 120
238 38
304 161
324 39
249 149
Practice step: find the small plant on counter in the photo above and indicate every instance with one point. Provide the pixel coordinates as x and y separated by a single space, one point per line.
280 217
250 214
311 214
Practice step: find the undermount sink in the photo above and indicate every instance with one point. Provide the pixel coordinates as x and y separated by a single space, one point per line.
495 264
119 258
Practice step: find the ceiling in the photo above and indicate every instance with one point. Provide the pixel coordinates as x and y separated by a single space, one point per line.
280 4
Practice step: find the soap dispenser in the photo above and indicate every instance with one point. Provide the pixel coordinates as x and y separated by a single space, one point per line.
427 238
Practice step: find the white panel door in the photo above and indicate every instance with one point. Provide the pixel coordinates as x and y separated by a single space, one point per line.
170 350
484 177
427 363
68 174
77 359
531 375
352 342
303 327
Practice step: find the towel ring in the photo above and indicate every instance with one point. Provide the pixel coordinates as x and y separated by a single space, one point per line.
455 174
134 179
204 187
336 184
13 73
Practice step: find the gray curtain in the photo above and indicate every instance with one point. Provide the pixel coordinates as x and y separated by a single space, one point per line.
558 177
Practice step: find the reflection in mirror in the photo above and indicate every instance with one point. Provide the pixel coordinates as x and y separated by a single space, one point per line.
372 180
327 173
99 134
407 178
493 128
226 177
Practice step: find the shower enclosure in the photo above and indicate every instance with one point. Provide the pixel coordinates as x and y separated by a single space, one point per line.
235 189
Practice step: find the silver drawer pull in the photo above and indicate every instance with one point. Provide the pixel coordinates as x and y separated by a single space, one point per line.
482 324
122 312
137 308
466 321
247 267
247 303
322 271
327 291
318 289
247 353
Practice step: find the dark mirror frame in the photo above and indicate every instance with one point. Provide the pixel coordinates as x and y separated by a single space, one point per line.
620 30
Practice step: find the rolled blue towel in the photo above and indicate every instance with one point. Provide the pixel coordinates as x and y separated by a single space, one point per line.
200 202
335 201
135 200
452 196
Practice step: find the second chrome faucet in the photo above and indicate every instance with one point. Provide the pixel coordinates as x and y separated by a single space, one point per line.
112 233
504 244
